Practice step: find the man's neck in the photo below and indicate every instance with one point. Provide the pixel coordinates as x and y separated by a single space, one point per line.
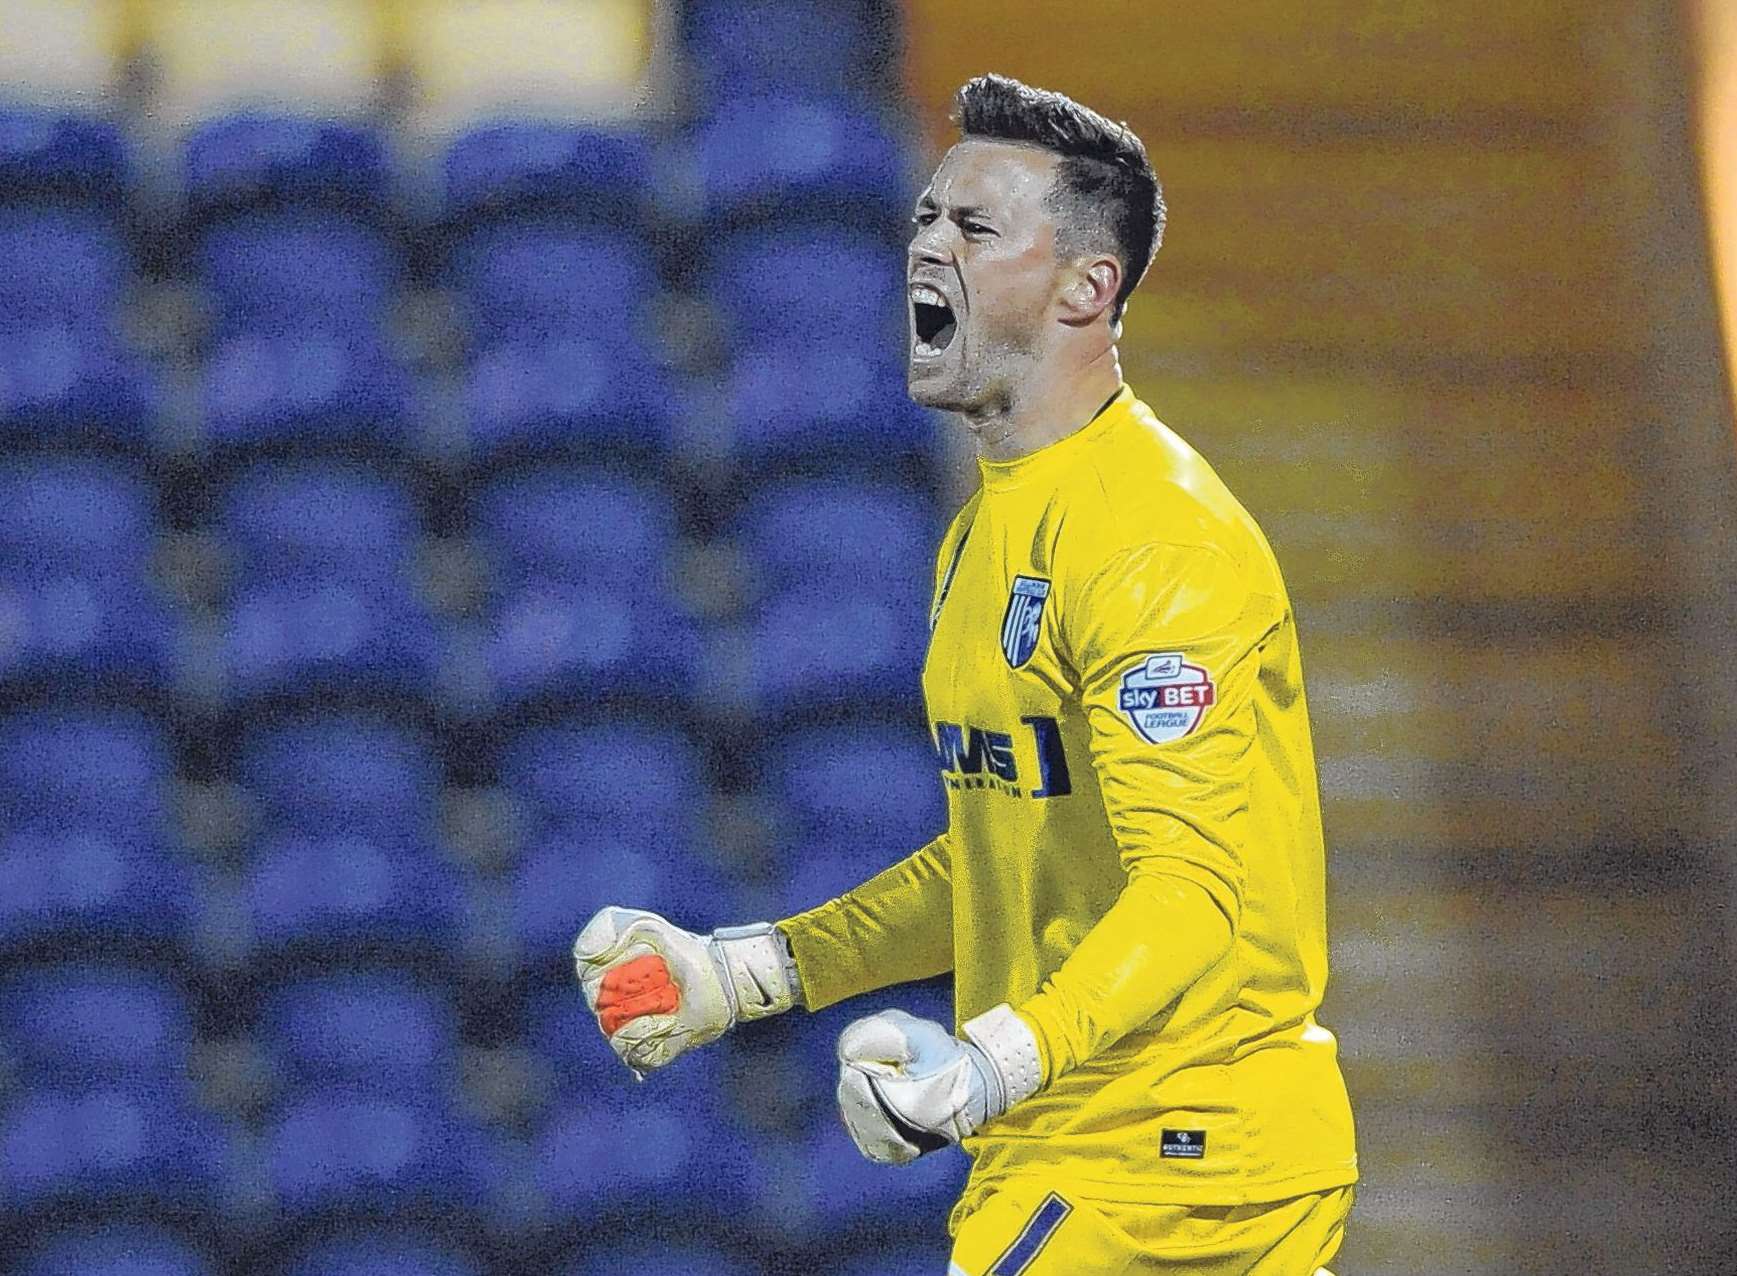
1047 411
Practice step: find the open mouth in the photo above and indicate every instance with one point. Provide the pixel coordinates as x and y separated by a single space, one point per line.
934 323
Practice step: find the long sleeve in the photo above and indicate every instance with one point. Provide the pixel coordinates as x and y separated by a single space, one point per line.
894 928
1167 644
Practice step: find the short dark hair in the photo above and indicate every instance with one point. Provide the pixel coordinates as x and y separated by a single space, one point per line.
1105 191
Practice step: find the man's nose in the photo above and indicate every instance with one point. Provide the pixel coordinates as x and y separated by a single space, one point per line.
929 246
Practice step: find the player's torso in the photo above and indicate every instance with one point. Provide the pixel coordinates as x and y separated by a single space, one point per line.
1011 744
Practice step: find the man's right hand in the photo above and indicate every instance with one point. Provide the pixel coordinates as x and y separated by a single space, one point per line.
658 990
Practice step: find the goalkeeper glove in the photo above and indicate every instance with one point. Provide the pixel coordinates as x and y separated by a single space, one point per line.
907 1086
658 990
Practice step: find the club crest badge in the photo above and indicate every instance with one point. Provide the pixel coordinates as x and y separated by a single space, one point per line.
1165 697
1024 614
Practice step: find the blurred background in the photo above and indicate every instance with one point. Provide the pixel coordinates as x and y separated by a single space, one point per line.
455 473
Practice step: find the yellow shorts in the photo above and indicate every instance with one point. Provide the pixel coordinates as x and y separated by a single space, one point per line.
1034 1227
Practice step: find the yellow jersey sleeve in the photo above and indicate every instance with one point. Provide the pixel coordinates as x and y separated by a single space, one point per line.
1166 648
894 928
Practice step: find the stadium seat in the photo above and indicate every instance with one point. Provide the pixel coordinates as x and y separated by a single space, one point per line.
572 644
318 521
905 1258
348 1151
309 388
616 776
65 155
105 771
305 640
60 382
65 266
75 1026
337 894
845 287
807 157
253 159
115 1249
791 400
383 1254
751 46
66 514
551 278
342 774
109 1146
612 1259
877 536
77 889
854 1192
579 527
828 648
574 395
375 1032
297 270
567 874
519 167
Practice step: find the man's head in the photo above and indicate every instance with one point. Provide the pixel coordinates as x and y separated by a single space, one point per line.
1032 233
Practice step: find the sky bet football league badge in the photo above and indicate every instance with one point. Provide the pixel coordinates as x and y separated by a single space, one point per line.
1024 614
1165 697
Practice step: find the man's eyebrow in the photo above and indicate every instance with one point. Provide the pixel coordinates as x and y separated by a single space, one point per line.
959 210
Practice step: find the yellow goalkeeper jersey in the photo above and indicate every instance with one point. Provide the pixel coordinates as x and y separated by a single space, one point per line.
1133 858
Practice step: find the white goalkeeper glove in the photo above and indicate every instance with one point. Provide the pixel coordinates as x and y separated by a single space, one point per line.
907 1086
659 991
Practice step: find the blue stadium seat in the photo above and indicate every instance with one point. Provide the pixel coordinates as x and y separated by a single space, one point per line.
858 801
381 1254
829 648
104 1146
906 1258
788 401
567 394
376 1032
567 874
309 387
516 165
613 1258
584 528
74 1026
336 637
750 46
341 1150
336 893
650 778
875 535
115 1249
342 774
807 156
105 771
315 521
64 382
252 157
48 152
75 515
63 267
554 640
295 271
546 279
852 289
81 888
799 1199
91 634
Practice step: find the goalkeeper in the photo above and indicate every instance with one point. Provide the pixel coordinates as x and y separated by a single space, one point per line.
1129 892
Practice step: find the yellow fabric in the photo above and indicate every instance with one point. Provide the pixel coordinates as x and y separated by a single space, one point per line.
1294 1237
1161 923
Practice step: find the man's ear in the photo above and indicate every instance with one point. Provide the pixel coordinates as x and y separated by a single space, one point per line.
1092 290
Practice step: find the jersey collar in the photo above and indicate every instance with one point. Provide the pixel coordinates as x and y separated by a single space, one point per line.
1052 458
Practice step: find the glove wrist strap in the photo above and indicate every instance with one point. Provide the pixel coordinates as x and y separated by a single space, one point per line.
757 969
1010 1048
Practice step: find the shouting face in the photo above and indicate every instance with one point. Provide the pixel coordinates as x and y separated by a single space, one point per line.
981 274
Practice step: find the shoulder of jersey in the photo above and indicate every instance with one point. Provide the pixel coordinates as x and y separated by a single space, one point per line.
1147 484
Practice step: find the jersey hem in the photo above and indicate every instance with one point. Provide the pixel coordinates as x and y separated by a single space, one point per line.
1127 1191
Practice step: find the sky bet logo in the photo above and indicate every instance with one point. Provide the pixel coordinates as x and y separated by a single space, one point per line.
978 758
1164 697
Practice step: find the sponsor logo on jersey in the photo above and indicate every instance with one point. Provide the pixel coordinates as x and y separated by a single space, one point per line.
1024 614
1164 697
